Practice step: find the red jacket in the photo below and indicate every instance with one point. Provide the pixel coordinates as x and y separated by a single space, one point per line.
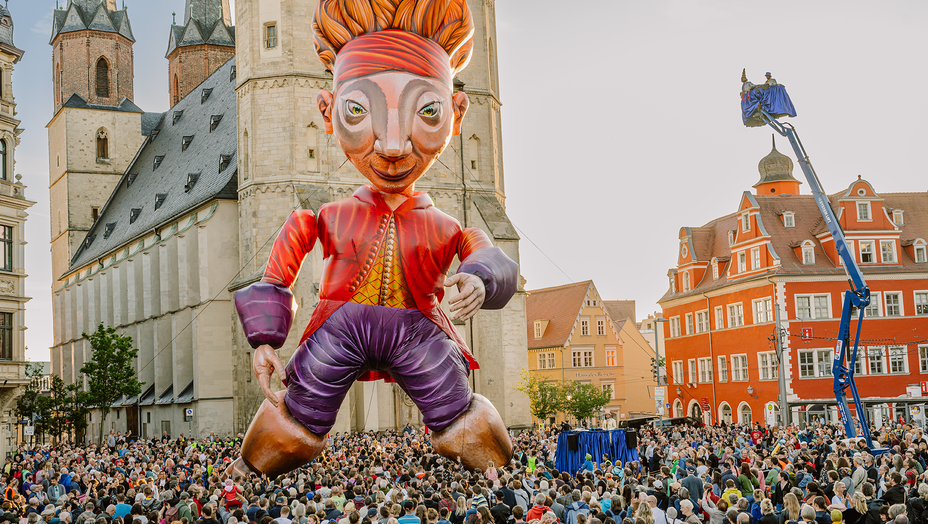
352 229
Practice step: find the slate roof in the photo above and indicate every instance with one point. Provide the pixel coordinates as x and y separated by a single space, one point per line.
559 306
205 22
619 310
81 15
130 212
711 240
125 104
6 30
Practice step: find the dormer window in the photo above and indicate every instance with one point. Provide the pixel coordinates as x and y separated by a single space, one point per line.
742 262
921 256
232 74
157 163
673 284
177 116
159 199
214 122
224 161
686 282
538 330
204 95
731 238
185 142
715 269
191 181
789 219
745 223
131 178
134 214
897 217
808 253
109 229
863 212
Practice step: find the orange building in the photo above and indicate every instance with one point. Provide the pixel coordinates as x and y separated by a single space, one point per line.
774 257
575 335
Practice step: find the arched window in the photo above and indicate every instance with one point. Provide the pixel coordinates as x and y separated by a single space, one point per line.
176 93
103 144
725 412
103 78
677 408
3 159
744 414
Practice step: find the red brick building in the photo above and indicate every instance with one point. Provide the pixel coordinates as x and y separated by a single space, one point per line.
775 252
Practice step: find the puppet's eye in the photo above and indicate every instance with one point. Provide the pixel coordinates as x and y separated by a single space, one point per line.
355 109
431 110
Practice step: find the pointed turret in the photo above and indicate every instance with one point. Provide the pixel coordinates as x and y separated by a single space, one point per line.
6 35
200 46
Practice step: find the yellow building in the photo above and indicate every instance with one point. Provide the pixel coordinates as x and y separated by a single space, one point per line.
575 335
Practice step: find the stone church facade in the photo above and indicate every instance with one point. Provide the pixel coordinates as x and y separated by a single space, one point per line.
170 283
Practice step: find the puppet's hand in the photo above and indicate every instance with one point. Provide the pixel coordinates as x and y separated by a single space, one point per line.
264 364
471 295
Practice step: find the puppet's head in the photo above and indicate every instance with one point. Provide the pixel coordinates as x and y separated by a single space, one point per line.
392 108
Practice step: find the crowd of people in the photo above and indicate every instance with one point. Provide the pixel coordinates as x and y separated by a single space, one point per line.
725 474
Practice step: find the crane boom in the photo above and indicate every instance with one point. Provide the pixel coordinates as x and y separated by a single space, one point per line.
857 297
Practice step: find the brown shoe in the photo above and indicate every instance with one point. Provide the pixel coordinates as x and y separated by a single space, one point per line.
276 443
475 438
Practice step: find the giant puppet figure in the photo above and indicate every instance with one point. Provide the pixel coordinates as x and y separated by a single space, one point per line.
387 248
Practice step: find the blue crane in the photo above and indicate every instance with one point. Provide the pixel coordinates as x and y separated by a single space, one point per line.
857 298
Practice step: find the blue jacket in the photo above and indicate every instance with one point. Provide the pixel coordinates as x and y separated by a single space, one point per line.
575 508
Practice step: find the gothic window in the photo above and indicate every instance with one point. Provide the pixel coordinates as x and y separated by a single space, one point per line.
58 83
3 160
103 144
103 78
176 93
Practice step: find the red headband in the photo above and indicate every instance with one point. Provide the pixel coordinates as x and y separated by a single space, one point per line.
392 50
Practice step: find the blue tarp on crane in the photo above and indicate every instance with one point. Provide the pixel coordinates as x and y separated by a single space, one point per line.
774 100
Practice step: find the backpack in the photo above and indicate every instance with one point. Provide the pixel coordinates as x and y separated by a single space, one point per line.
171 514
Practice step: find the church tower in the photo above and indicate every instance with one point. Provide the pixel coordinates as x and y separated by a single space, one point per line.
286 161
96 129
197 48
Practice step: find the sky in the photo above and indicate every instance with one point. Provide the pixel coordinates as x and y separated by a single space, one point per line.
621 121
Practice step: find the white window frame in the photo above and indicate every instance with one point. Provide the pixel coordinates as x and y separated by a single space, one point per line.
715 269
876 305
808 253
537 329
921 253
898 355
923 358
745 223
739 368
872 252
673 284
824 360
719 317
813 308
731 237
898 217
611 354
876 354
767 365
611 386
806 361
789 219
584 326
892 251
542 361
898 295
600 326
705 370
678 372
763 310
742 262
690 325
868 212
691 376
735 315
921 303
686 281
702 321
723 369
674 326
755 259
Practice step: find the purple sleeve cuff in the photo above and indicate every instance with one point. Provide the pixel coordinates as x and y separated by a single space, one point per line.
266 312
498 272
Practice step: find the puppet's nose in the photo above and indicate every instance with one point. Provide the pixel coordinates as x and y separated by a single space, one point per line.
394 143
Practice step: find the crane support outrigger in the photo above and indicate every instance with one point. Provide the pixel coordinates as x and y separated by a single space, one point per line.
858 297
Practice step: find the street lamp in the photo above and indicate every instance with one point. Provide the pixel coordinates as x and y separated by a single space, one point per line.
751 391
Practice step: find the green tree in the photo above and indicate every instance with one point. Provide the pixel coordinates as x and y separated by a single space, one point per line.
75 409
109 372
544 396
583 401
32 405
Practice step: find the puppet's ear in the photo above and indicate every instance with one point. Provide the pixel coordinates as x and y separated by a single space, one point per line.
460 103
324 100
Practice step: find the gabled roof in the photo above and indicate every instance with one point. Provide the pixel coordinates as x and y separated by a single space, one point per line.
125 105
189 178
619 310
205 22
97 15
559 306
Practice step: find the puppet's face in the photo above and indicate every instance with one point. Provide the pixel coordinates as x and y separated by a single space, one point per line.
393 125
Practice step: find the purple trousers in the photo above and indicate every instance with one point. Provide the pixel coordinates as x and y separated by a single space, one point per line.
415 352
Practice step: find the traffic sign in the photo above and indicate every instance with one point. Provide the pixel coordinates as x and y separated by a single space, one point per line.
29 431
